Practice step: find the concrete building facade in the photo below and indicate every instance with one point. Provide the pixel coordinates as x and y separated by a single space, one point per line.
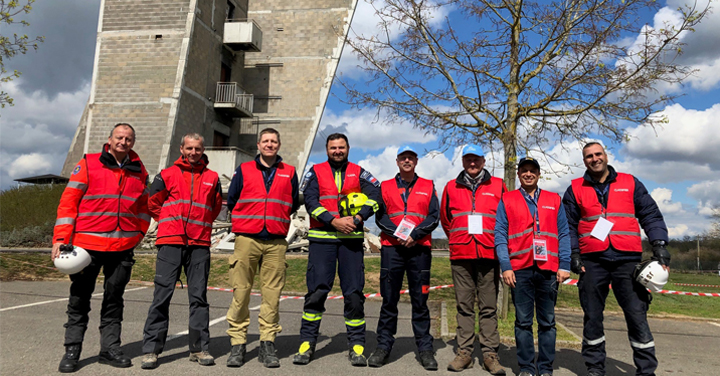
221 68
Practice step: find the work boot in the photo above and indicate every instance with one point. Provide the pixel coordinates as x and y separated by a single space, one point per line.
525 373
305 353
594 373
202 357
356 357
546 374
491 363
70 360
378 358
462 360
267 355
115 358
237 356
427 359
149 361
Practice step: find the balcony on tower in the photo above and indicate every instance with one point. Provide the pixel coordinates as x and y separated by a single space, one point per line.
231 99
242 35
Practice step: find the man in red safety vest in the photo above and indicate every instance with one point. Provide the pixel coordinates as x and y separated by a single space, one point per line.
262 196
467 214
185 199
407 216
605 210
533 246
103 210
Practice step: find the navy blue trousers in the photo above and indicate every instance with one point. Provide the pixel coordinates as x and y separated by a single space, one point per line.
323 259
535 291
634 300
395 263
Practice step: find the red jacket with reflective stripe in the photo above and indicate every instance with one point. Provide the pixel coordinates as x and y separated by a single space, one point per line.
460 201
257 208
625 232
104 206
418 203
187 210
522 229
329 195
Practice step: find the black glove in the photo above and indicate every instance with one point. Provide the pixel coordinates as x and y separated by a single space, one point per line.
576 264
660 252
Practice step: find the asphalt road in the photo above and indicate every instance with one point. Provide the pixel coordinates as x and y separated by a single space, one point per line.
32 316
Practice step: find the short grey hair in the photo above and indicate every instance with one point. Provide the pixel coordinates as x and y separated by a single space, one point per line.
268 131
193 136
126 125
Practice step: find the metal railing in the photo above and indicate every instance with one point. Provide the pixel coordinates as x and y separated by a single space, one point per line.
230 92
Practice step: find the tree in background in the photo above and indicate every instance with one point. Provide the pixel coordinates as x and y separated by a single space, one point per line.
12 45
524 74
715 229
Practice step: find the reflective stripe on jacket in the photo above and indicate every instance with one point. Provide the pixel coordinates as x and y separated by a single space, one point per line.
188 210
461 203
522 229
330 194
620 210
257 208
415 210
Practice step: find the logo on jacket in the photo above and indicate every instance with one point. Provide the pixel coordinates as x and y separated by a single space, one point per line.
206 183
488 194
548 207
285 176
621 190
76 170
423 193
370 178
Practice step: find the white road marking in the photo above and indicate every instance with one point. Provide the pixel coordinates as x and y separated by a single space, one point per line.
213 322
57 300
713 323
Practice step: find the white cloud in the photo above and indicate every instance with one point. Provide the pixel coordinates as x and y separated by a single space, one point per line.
32 164
663 198
678 231
707 192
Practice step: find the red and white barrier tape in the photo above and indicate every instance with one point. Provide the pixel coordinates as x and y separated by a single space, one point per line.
695 285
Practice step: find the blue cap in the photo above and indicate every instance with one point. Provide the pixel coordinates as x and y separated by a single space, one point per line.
473 149
405 148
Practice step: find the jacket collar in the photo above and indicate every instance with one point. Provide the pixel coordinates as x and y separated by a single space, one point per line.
132 161
461 181
611 177
184 165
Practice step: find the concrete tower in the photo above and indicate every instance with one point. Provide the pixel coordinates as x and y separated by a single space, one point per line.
221 68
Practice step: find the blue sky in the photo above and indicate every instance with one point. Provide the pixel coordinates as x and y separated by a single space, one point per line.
678 163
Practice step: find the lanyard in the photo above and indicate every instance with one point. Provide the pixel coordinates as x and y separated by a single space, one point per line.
406 192
533 201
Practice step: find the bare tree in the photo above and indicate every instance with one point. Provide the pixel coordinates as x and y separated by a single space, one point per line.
526 74
12 45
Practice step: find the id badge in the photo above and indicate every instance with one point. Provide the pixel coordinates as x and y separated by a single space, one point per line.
404 229
540 250
475 226
602 229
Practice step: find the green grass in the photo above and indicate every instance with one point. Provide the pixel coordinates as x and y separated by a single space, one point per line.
27 215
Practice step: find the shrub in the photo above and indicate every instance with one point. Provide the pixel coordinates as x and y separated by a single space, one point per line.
27 215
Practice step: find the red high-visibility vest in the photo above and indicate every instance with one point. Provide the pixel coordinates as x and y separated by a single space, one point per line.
109 207
257 208
625 233
183 214
418 203
329 194
462 203
522 229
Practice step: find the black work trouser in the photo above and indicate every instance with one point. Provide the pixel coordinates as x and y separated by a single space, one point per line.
117 268
395 262
634 300
171 259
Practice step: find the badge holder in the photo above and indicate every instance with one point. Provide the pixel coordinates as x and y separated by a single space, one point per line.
404 229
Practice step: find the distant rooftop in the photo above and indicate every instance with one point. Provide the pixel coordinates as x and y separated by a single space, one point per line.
44 179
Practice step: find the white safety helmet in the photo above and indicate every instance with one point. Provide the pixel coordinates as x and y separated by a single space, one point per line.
72 260
651 275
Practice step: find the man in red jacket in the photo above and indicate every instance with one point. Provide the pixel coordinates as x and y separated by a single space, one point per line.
262 196
103 210
467 215
184 199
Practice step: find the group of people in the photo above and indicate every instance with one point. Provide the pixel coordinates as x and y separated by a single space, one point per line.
529 238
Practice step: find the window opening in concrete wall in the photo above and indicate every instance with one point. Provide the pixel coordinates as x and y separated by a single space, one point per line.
220 139
230 11
225 72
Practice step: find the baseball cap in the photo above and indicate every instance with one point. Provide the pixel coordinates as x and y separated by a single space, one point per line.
405 148
530 160
473 149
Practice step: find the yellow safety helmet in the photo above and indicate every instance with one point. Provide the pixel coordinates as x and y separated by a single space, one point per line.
351 204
